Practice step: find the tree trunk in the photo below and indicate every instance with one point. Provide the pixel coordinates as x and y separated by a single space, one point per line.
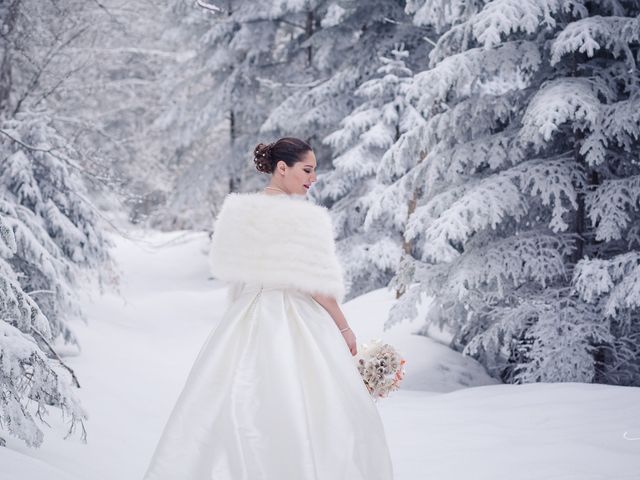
232 127
308 33
406 246
8 15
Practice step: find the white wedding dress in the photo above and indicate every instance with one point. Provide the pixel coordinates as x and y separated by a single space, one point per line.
274 394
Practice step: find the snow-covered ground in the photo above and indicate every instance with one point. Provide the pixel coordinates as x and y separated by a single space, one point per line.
450 421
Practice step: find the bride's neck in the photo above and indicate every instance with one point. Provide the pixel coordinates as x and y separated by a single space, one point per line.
274 190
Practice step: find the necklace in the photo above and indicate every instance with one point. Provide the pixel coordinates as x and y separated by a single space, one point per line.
275 188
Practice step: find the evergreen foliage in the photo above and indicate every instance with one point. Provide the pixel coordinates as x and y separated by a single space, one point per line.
369 254
526 168
50 237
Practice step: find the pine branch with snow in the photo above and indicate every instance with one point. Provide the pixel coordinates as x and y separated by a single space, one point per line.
369 254
527 171
50 235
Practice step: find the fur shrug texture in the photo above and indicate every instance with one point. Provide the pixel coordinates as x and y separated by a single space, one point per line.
276 240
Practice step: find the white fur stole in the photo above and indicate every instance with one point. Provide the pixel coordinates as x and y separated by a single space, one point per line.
280 240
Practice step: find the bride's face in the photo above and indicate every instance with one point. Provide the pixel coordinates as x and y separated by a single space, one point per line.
298 178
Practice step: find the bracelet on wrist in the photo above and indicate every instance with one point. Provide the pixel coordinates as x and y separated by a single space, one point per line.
345 329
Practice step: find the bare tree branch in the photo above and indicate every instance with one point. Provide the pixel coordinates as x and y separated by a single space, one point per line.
272 84
52 151
209 6
105 9
51 54
62 79
55 354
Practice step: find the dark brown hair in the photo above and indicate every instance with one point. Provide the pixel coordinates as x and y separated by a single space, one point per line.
287 149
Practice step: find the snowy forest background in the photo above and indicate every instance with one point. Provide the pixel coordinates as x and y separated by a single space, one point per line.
482 153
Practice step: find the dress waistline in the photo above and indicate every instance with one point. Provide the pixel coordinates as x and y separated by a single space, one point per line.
256 287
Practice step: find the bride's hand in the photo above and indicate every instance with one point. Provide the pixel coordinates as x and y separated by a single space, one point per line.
350 338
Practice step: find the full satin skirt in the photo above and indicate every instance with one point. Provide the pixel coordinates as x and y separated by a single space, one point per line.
274 394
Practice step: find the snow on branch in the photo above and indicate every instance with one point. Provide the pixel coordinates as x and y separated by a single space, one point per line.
209 6
462 73
587 35
441 14
611 206
621 122
554 332
501 18
615 282
490 152
485 205
555 182
526 256
564 100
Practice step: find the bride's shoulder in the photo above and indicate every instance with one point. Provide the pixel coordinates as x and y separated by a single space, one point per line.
267 219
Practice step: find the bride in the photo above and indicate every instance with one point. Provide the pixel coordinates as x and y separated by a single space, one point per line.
274 393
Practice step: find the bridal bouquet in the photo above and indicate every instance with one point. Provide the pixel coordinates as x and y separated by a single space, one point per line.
381 367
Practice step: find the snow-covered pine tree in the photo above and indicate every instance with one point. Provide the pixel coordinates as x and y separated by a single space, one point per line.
526 229
50 241
369 254
30 379
264 70
245 57
343 52
48 233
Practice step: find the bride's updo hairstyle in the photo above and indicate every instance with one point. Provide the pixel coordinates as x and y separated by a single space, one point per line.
288 149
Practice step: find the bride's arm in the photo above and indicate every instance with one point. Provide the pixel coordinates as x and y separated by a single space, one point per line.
331 305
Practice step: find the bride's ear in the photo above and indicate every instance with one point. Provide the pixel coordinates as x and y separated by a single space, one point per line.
281 166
